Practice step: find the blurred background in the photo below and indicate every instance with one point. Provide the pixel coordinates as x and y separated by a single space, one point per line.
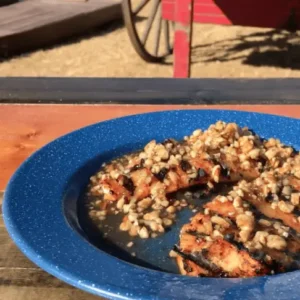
88 38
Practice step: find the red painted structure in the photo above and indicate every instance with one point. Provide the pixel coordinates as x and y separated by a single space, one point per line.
283 14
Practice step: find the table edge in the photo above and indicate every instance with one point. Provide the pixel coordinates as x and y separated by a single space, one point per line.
158 91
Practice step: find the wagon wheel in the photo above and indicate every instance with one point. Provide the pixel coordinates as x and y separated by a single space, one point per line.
151 38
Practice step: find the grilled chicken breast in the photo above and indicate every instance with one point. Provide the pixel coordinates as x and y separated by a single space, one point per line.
251 231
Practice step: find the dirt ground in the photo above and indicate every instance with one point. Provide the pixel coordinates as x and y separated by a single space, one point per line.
218 51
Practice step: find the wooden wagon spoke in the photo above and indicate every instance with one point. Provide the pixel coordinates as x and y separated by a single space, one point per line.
157 33
150 21
166 31
141 5
160 26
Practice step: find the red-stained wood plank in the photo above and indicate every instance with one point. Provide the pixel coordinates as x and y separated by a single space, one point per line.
207 8
168 9
181 54
182 39
25 128
256 13
211 19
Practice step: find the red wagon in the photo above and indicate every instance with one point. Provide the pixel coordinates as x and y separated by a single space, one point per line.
170 23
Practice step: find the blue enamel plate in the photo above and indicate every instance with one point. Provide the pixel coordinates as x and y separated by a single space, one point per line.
43 201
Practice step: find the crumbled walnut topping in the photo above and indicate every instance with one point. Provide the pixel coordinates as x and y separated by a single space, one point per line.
295 198
220 221
261 237
215 173
245 222
245 235
237 201
276 242
264 222
285 207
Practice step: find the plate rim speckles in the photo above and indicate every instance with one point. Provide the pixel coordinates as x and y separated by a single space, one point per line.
34 214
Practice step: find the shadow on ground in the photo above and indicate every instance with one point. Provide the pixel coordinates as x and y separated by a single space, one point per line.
272 48
92 33
100 31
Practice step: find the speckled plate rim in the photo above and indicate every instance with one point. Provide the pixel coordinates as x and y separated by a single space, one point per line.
34 216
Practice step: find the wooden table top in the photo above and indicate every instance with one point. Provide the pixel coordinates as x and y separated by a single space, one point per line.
26 127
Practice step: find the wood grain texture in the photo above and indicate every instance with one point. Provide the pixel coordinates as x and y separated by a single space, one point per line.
146 91
30 24
25 128
20 279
